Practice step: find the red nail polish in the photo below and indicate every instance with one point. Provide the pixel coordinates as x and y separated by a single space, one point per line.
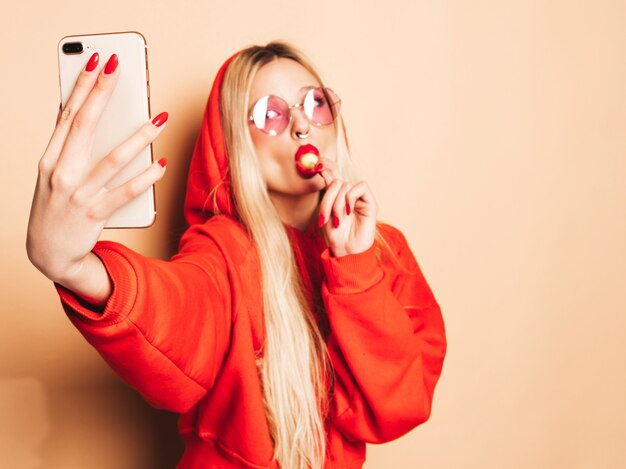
348 209
335 221
319 167
321 221
163 162
160 119
93 62
111 64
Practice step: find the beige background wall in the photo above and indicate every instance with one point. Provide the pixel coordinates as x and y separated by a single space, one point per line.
492 133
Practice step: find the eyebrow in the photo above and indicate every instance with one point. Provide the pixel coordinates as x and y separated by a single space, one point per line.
306 87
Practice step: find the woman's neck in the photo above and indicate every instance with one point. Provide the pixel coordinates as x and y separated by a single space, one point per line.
296 210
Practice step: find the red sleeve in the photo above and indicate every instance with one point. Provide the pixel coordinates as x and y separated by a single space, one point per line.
166 327
387 343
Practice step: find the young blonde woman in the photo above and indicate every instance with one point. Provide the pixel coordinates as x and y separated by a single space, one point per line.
291 328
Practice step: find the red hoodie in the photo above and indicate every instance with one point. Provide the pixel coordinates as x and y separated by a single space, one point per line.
185 333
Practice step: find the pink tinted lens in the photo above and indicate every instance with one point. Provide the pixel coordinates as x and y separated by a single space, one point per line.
321 105
271 114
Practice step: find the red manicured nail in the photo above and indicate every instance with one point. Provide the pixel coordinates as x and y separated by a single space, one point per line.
160 119
321 221
348 209
111 64
319 167
335 221
163 162
93 62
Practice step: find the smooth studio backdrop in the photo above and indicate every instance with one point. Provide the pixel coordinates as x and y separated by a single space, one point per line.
493 134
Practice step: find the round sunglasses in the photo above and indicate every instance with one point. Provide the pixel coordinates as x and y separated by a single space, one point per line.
272 114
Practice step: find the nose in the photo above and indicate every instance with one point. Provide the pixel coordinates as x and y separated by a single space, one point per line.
300 125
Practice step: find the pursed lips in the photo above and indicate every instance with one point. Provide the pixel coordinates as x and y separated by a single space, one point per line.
307 160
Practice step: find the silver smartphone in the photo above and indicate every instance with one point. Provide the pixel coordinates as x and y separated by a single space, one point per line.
127 109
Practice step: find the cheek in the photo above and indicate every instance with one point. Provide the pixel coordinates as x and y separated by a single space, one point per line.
273 161
272 151
259 140
264 149
330 145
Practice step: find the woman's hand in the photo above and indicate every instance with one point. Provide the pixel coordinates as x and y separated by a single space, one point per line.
347 215
71 203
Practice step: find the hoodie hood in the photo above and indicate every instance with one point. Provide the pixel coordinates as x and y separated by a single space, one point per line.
208 183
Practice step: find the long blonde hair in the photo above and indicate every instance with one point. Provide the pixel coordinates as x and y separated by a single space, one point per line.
295 362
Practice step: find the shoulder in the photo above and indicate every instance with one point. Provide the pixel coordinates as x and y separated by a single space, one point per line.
393 247
393 236
219 227
221 232
222 226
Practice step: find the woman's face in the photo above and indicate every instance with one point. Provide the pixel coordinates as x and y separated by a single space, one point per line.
289 80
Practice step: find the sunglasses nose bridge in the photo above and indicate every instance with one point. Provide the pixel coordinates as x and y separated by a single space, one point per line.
303 117
299 106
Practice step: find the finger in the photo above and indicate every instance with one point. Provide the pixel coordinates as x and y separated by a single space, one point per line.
129 190
327 202
82 88
328 175
324 163
361 200
82 129
339 207
109 166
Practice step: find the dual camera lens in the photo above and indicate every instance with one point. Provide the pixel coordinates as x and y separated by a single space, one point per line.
73 47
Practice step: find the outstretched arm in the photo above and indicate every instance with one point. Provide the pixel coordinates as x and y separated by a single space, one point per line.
166 326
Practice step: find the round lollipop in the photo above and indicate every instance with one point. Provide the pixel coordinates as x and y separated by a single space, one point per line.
308 160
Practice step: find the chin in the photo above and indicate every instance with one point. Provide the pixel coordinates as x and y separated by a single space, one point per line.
315 184
296 184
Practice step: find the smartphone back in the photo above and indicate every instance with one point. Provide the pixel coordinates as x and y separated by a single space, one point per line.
126 111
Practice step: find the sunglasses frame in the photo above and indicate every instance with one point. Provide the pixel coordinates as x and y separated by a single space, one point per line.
332 104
